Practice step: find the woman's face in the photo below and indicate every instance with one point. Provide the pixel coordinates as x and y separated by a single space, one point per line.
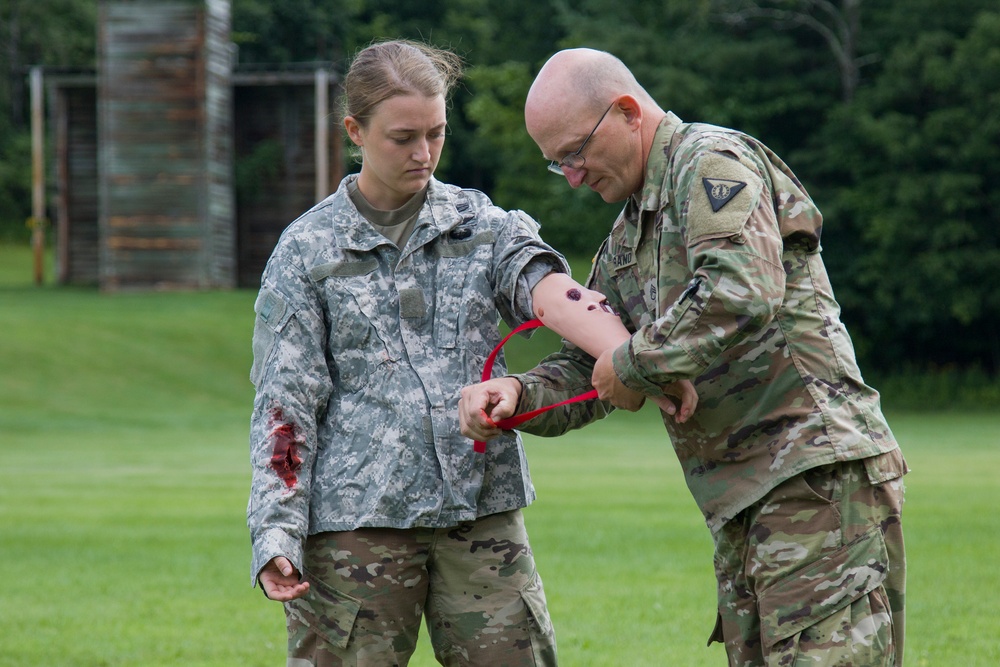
401 146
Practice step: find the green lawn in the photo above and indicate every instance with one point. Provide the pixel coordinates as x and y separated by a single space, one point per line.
123 433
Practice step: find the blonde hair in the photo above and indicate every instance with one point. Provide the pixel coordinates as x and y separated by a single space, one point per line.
398 67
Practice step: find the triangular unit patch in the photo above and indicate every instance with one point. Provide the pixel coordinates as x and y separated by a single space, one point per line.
721 191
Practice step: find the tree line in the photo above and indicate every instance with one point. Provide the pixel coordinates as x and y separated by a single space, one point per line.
887 110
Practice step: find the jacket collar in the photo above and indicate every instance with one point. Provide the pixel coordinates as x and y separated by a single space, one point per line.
444 209
657 163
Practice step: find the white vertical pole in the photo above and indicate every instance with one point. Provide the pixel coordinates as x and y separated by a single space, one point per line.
37 175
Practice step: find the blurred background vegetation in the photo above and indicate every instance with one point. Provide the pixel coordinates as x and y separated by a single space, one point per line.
887 110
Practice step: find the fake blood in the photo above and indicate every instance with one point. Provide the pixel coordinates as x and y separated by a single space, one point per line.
573 294
285 458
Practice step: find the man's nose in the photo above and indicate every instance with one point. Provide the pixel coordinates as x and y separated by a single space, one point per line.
574 176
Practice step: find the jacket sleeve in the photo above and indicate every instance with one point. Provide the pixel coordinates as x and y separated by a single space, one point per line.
293 384
521 259
722 201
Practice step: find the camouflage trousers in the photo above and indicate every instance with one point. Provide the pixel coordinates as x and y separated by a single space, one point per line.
815 573
475 582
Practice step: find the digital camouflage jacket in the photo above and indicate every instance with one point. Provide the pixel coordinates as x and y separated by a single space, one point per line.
360 352
716 269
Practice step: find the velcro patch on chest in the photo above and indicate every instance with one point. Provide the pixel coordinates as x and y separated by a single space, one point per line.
721 198
411 303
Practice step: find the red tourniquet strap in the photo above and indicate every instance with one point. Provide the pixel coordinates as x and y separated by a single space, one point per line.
516 420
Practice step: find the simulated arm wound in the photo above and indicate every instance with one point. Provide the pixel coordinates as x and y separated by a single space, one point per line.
285 439
579 315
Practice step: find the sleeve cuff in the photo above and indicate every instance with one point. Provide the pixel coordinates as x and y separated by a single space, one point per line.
630 374
270 544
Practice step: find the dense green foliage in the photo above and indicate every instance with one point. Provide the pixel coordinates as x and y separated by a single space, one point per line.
888 111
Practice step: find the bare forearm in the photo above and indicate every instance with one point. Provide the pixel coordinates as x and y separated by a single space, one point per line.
578 314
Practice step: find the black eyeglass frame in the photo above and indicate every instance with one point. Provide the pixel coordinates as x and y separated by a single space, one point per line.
574 160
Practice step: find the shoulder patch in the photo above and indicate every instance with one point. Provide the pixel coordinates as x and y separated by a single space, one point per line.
271 308
720 191
721 198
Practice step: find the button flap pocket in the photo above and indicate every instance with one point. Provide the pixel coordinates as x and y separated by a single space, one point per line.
822 587
885 467
534 598
728 194
330 613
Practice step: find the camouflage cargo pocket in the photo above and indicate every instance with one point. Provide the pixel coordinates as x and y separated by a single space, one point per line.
822 587
885 467
324 611
543 643
534 599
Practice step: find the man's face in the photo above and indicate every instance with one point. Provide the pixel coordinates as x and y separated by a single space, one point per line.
612 157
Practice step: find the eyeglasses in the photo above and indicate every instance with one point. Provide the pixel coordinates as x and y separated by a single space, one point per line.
574 160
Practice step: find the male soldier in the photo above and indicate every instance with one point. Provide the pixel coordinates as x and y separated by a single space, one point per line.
714 266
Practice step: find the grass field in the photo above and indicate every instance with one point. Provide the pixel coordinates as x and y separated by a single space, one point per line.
123 428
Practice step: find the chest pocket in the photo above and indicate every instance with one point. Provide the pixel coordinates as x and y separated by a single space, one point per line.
465 313
639 295
359 331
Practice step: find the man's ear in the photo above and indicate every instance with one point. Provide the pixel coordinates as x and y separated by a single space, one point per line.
631 109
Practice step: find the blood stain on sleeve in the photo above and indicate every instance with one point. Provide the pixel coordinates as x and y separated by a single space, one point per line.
286 438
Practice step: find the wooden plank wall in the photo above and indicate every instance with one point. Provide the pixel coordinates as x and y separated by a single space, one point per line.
220 213
273 130
145 188
157 164
74 120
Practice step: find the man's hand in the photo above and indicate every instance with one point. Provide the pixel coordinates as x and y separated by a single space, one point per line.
680 402
610 388
280 580
482 405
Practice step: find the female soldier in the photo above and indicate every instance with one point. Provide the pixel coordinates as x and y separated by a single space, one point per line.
368 507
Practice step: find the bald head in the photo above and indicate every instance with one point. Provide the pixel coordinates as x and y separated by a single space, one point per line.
579 80
571 92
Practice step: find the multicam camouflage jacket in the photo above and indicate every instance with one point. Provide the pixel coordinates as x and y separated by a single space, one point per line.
716 269
360 352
